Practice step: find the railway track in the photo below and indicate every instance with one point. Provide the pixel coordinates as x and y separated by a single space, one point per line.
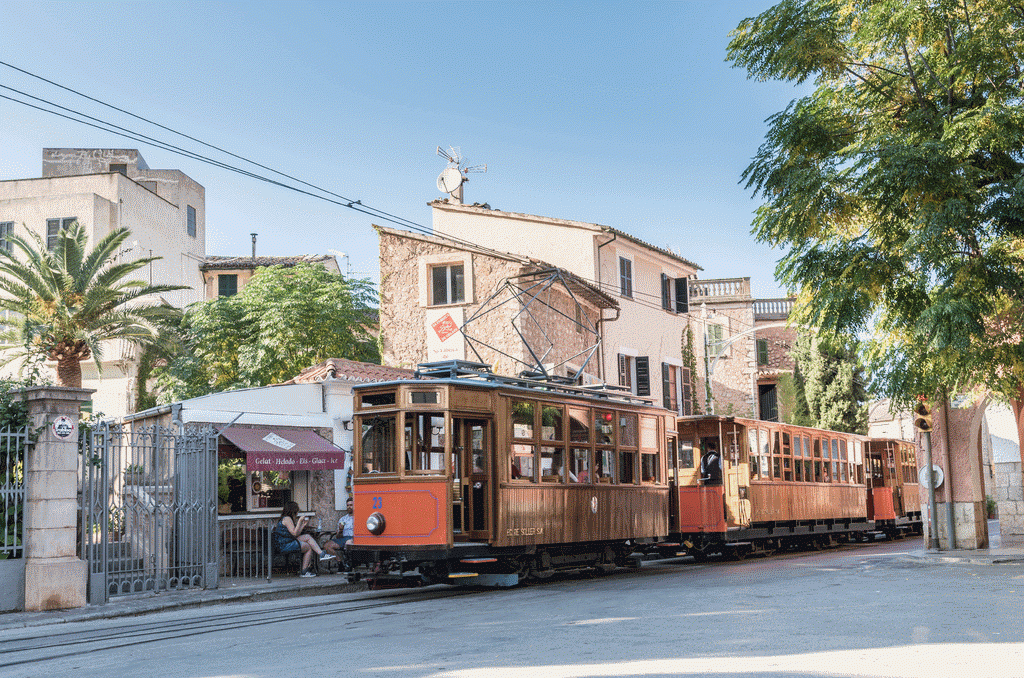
46 644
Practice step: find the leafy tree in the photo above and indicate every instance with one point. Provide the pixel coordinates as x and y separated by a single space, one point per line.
829 389
897 186
283 321
71 300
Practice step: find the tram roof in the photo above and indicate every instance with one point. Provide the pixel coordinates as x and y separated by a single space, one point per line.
464 372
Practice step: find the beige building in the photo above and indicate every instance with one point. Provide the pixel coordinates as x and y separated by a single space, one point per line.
107 189
659 296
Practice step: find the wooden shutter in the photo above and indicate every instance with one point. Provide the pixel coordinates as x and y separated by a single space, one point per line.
682 295
643 376
666 292
666 386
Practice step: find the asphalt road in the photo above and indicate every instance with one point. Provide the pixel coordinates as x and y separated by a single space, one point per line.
862 610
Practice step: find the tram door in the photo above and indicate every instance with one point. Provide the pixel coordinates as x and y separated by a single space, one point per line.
471 464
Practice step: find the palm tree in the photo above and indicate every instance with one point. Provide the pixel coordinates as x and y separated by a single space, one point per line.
70 300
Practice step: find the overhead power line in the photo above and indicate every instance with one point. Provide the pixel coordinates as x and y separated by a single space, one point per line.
324 194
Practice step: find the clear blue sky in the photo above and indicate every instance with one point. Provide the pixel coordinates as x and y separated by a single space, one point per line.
624 114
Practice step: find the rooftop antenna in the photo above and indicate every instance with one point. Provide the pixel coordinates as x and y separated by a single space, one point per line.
456 174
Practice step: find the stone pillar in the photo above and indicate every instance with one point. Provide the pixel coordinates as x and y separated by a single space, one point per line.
956 436
55 578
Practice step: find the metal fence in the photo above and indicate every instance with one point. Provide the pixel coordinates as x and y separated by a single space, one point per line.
245 546
12 491
148 509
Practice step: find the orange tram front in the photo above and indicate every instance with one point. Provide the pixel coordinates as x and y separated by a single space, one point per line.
743 486
468 477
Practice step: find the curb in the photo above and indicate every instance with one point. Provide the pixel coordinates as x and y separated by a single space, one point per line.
127 606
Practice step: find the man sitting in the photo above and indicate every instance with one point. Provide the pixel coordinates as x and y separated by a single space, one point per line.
336 545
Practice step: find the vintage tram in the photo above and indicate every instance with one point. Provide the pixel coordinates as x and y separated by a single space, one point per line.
464 476
893 499
742 486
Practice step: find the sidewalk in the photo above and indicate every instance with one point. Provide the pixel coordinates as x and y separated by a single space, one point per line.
1000 551
230 591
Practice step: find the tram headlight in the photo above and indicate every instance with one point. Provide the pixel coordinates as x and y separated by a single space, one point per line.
375 524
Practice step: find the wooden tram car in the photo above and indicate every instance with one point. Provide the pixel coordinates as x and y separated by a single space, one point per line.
894 499
747 486
468 477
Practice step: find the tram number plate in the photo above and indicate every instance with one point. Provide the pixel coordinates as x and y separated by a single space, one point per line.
378 502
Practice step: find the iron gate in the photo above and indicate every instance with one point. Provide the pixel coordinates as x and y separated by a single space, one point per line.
148 509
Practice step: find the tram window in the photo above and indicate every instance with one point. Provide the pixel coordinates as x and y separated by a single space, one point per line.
552 464
673 456
818 476
579 465
649 433
817 448
378 442
627 470
522 461
787 470
685 454
522 419
377 399
627 430
418 397
424 442
579 426
752 445
843 469
603 428
777 467
808 471
798 469
648 467
766 470
478 446
604 466
798 450
551 423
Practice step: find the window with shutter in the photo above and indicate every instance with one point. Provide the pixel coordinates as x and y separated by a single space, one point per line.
682 295
666 292
643 376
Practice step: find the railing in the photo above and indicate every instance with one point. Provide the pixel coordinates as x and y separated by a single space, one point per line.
244 543
719 290
12 491
773 309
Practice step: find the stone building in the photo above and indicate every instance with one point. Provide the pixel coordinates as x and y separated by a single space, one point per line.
652 301
226 276
431 286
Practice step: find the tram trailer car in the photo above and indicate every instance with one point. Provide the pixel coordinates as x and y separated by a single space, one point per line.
894 499
473 478
744 486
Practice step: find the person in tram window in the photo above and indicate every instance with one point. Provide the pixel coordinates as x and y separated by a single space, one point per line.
711 465
290 538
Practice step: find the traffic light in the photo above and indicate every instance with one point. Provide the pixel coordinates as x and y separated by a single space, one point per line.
923 417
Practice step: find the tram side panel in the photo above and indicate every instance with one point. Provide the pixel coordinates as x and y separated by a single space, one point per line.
559 515
417 513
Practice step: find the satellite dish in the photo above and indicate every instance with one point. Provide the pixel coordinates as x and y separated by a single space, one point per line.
925 478
449 179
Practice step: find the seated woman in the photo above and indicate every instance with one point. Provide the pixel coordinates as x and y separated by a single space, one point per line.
288 538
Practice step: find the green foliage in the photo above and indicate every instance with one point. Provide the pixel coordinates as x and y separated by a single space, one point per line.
227 470
71 299
896 187
283 321
690 363
828 387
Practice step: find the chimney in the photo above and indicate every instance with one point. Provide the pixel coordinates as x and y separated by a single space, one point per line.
253 246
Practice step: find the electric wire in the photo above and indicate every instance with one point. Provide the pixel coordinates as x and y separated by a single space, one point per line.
650 300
